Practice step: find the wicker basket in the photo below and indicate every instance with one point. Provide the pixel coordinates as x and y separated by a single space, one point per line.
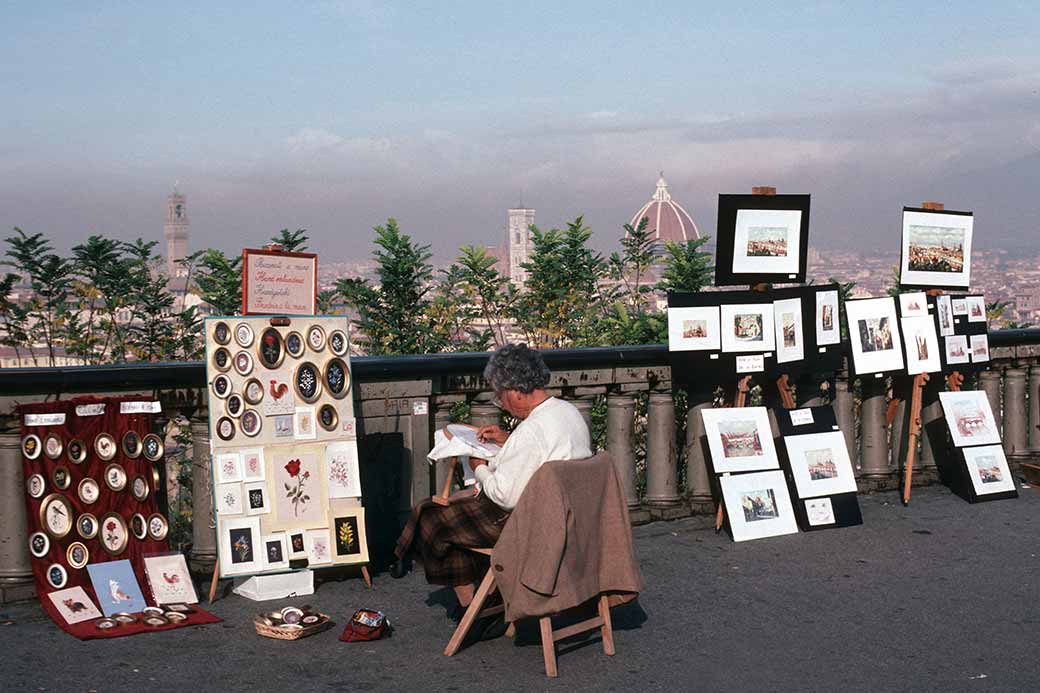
280 633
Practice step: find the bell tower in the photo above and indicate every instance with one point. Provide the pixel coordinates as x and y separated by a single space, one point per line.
519 243
175 231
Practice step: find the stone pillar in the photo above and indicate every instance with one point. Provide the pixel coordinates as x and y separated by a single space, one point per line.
874 434
1034 407
16 578
583 403
1015 411
844 412
662 493
203 525
484 413
989 382
698 479
621 414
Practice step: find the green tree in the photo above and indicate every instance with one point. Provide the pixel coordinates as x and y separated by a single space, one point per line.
43 317
686 266
295 242
219 280
491 293
629 318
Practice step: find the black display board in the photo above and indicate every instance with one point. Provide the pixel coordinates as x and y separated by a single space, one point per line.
953 472
907 281
729 207
845 506
963 327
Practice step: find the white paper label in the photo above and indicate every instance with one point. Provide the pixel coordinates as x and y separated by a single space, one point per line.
801 417
751 364
420 408
791 276
823 350
96 409
140 407
44 419
713 356
820 511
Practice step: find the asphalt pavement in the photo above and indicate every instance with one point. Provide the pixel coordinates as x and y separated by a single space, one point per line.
941 595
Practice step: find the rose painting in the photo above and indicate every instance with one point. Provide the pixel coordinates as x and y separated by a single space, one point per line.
298 494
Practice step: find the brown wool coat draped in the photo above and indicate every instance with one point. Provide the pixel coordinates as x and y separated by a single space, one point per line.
568 540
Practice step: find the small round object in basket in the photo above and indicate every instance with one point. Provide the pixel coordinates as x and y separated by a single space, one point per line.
132 444
291 626
61 477
310 619
275 616
115 477
35 485
153 447
124 617
76 451
243 334
88 491
31 446
152 611
105 446
221 333
53 446
225 428
174 617
292 615
105 623
265 620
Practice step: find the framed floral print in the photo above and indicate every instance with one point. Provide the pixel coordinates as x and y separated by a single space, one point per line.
298 491
319 547
240 546
349 539
341 464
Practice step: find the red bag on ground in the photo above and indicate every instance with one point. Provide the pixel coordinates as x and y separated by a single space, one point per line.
367 624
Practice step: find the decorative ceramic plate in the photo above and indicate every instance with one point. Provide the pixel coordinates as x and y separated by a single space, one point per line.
316 337
56 515
292 614
243 363
132 444
338 342
222 359
105 446
138 526
151 611
327 417
52 446
253 391
87 526
57 576
35 485
225 428
105 623
243 334
139 487
78 556
251 423
270 349
88 491
115 477
307 382
114 534
153 447
158 527
124 617
221 386
76 451
60 477
337 378
39 544
156 621
233 405
174 617
31 446
294 344
221 333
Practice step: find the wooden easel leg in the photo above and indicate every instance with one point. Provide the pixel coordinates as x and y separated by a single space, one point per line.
913 434
214 581
607 629
511 630
548 647
720 516
366 576
471 614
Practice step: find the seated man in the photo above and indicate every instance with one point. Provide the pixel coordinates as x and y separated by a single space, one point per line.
550 429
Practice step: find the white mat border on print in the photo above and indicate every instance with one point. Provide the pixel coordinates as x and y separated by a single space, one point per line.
785 522
768 458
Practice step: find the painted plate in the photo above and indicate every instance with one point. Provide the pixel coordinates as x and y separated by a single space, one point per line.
31 446
87 526
222 359
115 477
243 334
113 534
35 485
294 344
52 446
153 447
105 446
78 555
307 382
132 444
88 491
221 333
251 423
337 378
61 478
338 342
57 576
221 386
39 544
243 363
316 337
139 487
76 451
56 515
138 526
225 428
158 527
253 391
270 349
327 417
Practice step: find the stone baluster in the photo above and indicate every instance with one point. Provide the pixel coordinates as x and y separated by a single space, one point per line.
662 493
698 479
844 412
16 578
583 400
621 413
874 433
1015 411
203 529
989 382
483 413
1034 407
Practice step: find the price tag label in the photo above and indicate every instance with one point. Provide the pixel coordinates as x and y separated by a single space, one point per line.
420 408
90 409
44 419
140 407
754 363
801 417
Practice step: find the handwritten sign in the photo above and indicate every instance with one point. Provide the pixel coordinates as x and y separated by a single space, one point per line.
275 283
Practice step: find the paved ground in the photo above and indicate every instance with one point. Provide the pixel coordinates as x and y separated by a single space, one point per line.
940 595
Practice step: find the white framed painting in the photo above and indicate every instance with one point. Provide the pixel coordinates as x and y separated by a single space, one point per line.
767 241
228 466
296 542
976 307
979 345
747 327
341 467
969 418
876 346
298 495
820 464
988 469
913 305
740 439
319 547
240 546
787 322
827 329
349 538
304 425
253 464
957 349
936 249
255 498
922 345
693 329
758 505
228 499
74 605
169 579
276 551
960 306
944 308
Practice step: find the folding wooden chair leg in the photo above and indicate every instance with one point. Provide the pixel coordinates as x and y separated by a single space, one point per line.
548 646
606 630
471 614
511 630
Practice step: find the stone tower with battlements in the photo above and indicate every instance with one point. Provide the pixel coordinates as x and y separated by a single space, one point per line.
519 243
175 230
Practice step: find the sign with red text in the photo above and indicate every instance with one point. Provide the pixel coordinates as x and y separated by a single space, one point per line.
277 283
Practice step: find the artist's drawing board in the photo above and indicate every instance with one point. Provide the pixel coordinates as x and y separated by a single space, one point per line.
761 238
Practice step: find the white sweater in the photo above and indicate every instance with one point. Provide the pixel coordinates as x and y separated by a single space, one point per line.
554 430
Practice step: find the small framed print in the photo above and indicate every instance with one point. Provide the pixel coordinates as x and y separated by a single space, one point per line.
694 329
253 392
328 418
316 338
969 418
114 534
153 447
294 345
338 342
57 576
139 487
233 405
221 386
874 336
976 306
337 378
944 308
758 505
319 547
988 469
87 526
158 527
270 348
957 349
341 466
228 466
39 544
307 382
827 327
74 605
115 477
138 526
35 485
255 496
253 468
297 543
276 552
820 464
349 542
819 511
61 477
243 363
979 344
304 427
77 555
222 360
116 588
88 491
243 335
105 446
960 306
936 248
239 545
56 515
225 428
300 494
762 238
169 580
740 439
747 327
790 337
922 345
221 333
31 446
279 397
228 499
913 305
52 446
77 451
132 444
251 423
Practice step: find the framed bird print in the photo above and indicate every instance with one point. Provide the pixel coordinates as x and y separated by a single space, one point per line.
169 579
116 587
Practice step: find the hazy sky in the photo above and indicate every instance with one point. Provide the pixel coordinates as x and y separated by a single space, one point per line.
335 115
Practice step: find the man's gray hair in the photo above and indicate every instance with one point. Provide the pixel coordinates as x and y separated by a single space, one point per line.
516 367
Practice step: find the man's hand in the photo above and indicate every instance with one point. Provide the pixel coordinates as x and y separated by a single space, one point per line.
493 434
475 462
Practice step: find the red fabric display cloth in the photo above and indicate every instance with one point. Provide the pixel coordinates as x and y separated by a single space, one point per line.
86 429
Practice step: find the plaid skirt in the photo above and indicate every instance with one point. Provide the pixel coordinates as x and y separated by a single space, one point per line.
440 533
